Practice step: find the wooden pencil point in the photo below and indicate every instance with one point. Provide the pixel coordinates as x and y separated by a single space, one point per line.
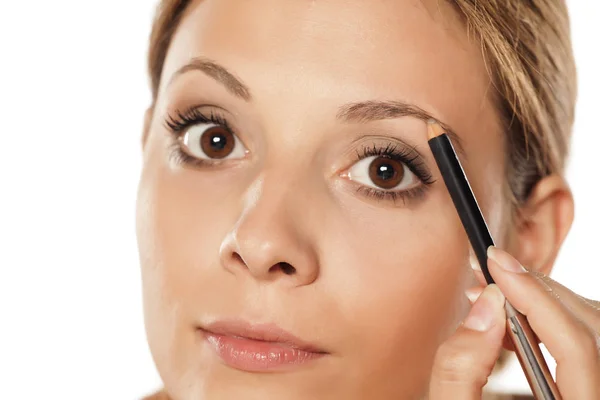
434 129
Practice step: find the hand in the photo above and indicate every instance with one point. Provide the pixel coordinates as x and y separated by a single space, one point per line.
567 324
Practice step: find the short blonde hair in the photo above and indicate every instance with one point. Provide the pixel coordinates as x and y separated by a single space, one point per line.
527 48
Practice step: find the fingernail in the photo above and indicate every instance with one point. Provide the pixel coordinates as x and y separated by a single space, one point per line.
473 293
504 260
482 315
474 262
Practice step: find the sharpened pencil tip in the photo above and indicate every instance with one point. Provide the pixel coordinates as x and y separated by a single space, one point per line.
434 129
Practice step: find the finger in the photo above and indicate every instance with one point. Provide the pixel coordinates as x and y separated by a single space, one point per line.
464 362
586 310
474 262
472 294
569 340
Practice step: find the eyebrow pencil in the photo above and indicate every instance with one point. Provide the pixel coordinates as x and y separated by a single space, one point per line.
523 338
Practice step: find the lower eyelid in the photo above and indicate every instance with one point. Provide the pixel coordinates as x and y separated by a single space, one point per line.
394 197
178 155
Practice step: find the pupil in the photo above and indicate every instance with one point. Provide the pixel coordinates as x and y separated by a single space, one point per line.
218 142
385 172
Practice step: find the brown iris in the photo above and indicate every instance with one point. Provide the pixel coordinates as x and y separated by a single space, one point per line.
217 142
386 172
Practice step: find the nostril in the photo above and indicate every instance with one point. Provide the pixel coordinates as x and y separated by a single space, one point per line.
286 268
238 258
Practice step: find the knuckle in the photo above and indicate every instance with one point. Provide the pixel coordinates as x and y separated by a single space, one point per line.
540 276
546 283
587 344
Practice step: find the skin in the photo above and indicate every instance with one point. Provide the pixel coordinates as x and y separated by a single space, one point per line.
379 285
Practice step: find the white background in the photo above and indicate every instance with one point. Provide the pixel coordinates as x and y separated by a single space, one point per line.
73 90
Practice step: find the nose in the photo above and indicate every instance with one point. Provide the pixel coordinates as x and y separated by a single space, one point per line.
271 239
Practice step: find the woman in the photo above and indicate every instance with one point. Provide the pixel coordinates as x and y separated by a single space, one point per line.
296 239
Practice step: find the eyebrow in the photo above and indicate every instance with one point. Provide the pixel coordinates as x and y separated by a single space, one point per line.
361 112
367 111
217 72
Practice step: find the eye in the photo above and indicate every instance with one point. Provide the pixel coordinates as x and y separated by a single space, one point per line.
209 141
382 172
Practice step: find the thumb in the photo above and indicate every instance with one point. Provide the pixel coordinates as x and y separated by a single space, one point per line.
464 362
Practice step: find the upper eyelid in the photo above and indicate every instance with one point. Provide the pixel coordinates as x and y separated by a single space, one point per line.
407 146
175 115
179 115
389 139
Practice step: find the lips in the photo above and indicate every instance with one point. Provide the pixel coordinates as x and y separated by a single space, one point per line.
258 348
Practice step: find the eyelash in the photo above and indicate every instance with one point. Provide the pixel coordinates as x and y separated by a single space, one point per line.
405 156
178 123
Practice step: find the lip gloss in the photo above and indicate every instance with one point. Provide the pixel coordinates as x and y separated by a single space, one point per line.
257 347
255 355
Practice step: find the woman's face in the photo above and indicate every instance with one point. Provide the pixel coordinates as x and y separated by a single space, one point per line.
311 202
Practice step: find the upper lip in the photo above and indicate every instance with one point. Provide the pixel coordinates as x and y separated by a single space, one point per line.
263 332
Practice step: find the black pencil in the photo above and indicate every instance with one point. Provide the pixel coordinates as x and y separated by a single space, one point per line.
518 329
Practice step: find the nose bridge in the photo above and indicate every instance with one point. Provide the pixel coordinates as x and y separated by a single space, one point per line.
270 239
267 215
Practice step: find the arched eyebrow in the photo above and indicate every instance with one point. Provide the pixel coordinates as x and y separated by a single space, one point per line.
219 73
373 110
359 112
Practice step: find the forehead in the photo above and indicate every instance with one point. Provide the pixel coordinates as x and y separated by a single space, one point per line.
413 50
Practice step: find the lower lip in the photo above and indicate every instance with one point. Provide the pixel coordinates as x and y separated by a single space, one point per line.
256 355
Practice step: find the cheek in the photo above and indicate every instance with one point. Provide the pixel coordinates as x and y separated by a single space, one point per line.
401 291
179 230
181 223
